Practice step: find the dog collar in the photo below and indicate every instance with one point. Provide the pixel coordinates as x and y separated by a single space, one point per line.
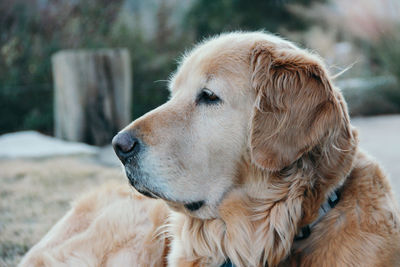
227 263
331 202
305 231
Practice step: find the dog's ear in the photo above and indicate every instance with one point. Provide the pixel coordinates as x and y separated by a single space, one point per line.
295 105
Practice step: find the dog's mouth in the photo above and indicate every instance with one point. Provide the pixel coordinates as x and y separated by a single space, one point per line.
148 193
144 191
190 206
193 206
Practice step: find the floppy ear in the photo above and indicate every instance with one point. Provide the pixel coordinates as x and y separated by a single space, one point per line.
295 105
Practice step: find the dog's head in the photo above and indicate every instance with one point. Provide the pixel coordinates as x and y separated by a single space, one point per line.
238 101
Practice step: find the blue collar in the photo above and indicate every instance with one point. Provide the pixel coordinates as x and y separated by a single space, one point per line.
227 263
331 202
305 231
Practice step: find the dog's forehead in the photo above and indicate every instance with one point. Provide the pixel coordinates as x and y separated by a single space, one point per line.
216 57
220 56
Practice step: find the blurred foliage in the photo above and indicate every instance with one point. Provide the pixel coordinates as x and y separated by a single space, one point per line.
32 30
372 29
377 96
29 34
387 51
212 17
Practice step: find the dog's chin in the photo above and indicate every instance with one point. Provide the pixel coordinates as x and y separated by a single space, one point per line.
143 190
196 208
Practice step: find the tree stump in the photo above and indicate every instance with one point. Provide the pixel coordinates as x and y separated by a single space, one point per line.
93 94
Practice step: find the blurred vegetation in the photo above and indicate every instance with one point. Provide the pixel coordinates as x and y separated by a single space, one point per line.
372 28
156 32
30 33
208 17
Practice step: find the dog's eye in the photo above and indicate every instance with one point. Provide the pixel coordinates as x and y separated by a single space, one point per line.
207 97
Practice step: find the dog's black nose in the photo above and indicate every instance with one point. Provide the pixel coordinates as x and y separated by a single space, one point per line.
125 145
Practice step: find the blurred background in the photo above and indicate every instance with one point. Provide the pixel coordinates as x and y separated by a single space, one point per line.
361 34
360 39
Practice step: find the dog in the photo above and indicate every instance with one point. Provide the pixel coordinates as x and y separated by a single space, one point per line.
251 162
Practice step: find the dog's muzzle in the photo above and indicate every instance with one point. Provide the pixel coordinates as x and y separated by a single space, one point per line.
127 147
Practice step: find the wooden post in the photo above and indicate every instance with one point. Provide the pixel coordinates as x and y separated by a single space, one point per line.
93 94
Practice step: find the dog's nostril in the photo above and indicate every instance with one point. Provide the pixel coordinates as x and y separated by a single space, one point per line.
123 142
124 145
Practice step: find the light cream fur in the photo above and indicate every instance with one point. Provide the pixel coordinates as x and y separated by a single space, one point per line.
110 226
263 161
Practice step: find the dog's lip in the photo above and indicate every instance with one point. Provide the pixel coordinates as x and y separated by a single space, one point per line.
194 206
191 206
142 190
148 193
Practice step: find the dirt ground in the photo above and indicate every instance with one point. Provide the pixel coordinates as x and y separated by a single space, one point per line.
34 194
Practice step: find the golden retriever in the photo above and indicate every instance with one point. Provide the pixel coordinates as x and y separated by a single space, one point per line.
253 142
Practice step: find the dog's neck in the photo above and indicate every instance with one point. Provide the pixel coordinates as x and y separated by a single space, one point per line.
260 218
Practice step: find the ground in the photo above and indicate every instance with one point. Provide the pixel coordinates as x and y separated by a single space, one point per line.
380 137
36 192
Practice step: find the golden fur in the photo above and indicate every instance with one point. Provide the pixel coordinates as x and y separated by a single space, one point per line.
110 226
269 156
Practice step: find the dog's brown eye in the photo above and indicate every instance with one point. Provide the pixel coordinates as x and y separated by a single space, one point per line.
207 97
